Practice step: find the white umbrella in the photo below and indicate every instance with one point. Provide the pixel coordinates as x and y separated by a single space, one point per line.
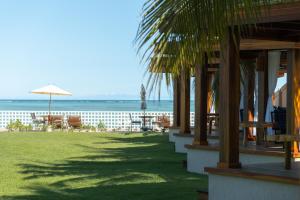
51 90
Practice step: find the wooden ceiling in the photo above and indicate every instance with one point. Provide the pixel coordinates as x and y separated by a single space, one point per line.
280 22
282 13
277 31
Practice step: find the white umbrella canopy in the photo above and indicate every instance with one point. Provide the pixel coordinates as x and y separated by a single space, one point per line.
51 90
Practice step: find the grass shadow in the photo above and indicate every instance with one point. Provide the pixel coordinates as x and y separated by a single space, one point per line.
147 168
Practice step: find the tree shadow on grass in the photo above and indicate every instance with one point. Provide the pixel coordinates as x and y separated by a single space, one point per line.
148 170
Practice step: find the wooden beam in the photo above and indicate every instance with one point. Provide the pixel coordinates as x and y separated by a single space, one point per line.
185 102
255 44
293 100
262 70
176 102
201 94
283 138
229 102
245 45
281 12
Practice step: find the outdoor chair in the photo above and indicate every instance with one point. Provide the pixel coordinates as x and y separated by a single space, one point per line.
35 121
163 122
57 121
278 117
74 121
132 122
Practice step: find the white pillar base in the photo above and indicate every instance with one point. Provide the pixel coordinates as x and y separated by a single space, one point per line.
181 141
236 188
197 159
173 131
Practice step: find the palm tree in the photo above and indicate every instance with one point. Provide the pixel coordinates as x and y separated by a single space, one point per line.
175 34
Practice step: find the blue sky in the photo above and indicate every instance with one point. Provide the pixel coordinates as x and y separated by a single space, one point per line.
84 46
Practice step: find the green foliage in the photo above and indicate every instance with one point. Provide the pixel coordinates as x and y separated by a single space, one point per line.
101 125
176 34
18 126
88 127
28 127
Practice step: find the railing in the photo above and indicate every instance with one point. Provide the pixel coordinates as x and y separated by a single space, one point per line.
111 119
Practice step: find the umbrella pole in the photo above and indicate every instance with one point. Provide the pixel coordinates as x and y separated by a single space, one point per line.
49 113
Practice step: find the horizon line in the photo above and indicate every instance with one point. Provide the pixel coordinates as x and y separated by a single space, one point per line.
15 99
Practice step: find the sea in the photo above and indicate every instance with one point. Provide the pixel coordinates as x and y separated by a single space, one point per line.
86 105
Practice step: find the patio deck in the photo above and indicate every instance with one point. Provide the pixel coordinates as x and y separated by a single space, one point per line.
201 156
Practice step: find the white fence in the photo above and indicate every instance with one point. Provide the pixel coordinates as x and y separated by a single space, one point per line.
111 119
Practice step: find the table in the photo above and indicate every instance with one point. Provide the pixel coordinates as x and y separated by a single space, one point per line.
56 120
144 117
254 124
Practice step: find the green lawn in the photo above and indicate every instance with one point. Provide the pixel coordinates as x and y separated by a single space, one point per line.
93 166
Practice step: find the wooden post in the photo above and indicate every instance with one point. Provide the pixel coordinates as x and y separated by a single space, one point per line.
176 102
185 102
201 90
262 70
248 114
229 101
251 89
293 100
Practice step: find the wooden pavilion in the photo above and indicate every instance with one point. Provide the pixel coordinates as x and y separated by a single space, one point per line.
230 179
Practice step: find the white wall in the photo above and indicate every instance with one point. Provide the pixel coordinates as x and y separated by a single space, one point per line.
197 159
236 188
111 119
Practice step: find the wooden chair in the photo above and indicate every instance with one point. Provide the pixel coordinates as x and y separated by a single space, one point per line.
74 121
57 121
163 122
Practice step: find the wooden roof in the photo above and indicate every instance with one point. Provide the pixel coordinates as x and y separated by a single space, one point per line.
282 13
280 22
277 29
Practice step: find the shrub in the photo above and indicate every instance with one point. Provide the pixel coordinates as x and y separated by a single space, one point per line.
88 127
101 125
18 126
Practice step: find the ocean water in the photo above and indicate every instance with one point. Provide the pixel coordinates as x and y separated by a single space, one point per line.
86 105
